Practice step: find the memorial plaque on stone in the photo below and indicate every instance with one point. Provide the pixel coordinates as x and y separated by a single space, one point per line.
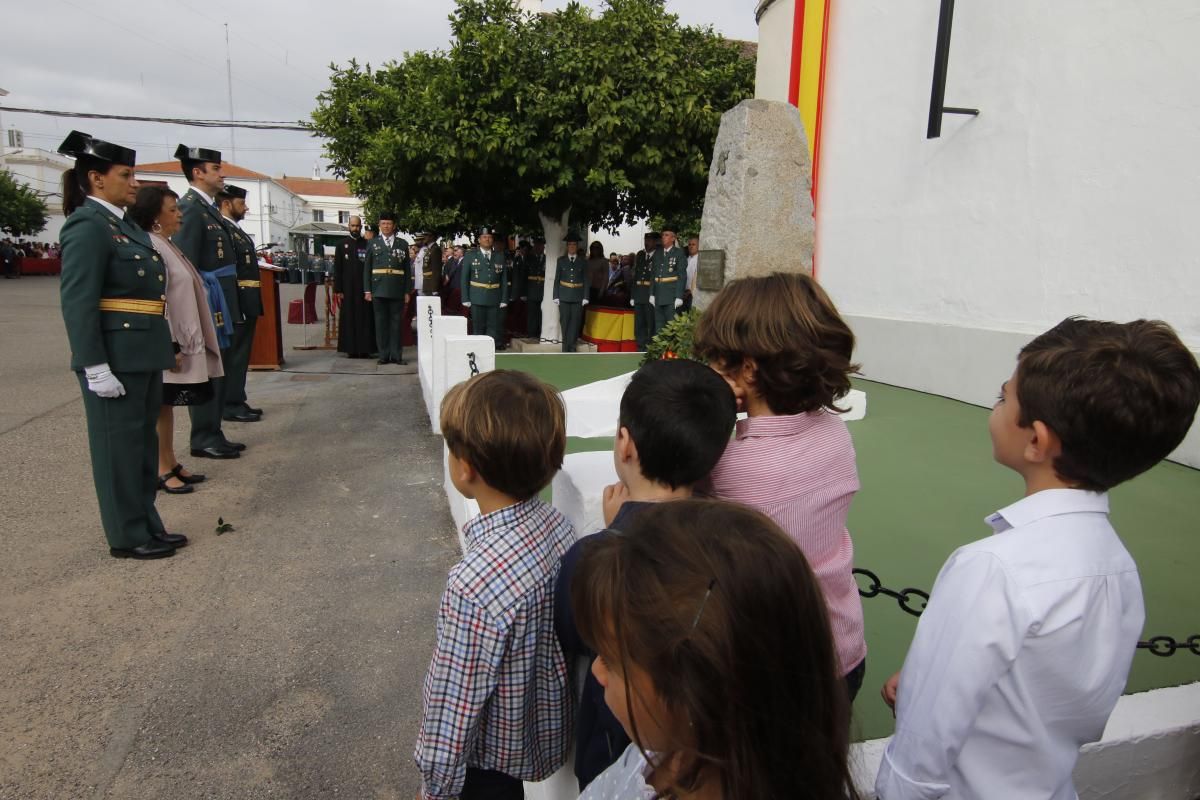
710 274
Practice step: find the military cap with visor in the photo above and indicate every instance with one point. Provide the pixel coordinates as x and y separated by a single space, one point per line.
201 154
79 144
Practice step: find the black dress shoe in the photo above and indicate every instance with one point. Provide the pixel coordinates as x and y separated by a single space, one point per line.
163 486
237 446
216 452
151 549
254 410
242 416
384 361
195 477
176 540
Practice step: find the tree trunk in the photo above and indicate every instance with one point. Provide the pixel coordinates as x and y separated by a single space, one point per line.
553 230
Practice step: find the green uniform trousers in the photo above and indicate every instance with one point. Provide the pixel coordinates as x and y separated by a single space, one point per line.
570 319
238 365
389 314
535 318
643 324
123 442
206 417
488 321
663 315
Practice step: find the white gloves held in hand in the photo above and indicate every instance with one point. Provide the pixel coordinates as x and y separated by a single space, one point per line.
631 304
651 299
585 301
466 304
101 381
556 301
678 302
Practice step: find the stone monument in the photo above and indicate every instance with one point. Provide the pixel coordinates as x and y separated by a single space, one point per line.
758 210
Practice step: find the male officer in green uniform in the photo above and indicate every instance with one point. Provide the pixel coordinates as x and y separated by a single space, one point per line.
570 294
430 261
113 298
204 238
485 288
642 289
670 280
232 201
387 282
535 286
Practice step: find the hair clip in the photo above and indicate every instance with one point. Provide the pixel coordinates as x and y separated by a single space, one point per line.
703 603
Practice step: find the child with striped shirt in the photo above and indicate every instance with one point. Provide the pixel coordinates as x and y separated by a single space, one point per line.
784 350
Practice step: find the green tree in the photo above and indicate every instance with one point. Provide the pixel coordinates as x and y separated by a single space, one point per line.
22 210
532 121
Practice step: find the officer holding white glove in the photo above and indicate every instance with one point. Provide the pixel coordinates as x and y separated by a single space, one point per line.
670 279
101 381
570 294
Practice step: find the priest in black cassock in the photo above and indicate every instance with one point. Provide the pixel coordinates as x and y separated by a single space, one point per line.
356 320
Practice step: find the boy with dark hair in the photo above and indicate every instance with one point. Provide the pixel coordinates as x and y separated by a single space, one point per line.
1026 643
675 420
497 700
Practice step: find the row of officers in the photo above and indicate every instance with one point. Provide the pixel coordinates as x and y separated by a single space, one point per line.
489 279
167 289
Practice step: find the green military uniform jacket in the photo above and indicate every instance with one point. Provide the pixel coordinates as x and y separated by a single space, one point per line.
484 280
387 274
113 293
431 270
569 279
535 277
670 275
643 277
248 284
206 241
518 283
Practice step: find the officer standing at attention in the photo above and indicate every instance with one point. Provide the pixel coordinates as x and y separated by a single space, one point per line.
535 286
485 287
643 287
232 201
205 240
570 294
430 259
113 294
387 278
670 280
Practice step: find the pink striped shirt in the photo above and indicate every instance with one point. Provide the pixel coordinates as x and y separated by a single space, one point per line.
799 470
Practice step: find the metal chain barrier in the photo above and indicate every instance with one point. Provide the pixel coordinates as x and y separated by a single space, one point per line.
430 310
474 366
1161 646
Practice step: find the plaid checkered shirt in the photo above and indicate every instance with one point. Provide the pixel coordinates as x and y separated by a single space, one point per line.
497 695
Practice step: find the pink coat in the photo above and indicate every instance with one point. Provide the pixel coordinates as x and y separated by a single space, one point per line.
189 317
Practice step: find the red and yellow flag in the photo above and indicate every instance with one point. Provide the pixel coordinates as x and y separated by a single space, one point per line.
806 86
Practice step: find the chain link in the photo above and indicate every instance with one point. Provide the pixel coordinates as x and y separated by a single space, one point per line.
474 366
906 597
430 310
1164 646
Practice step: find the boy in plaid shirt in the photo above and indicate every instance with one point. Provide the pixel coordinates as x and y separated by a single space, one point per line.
497 699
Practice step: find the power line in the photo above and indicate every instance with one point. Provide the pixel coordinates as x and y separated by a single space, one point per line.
54 137
257 46
264 125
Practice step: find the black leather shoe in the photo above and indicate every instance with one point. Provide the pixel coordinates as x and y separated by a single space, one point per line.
163 486
151 549
400 361
176 540
195 477
237 446
216 452
253 410
242 416
384 361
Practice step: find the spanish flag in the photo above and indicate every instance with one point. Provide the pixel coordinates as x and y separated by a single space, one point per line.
806 86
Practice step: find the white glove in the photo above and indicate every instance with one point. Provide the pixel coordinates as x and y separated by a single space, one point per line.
101 381
466 304
556 301
632 304
678 302
504 305
585 302
651 299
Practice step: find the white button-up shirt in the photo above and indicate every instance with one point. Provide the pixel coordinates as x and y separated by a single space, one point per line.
1019 658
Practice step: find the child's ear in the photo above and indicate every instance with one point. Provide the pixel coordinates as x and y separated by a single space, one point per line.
748 369
466 473
1043 446
624 447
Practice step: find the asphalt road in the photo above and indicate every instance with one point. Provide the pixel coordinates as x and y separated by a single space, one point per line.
282 659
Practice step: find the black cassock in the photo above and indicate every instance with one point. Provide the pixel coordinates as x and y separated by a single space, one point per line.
356 320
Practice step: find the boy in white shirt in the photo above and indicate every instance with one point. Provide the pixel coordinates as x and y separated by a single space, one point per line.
1028 636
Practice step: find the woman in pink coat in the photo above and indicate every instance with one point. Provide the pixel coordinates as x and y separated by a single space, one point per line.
198 352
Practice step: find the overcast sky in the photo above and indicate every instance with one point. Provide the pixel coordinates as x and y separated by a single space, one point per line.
166 58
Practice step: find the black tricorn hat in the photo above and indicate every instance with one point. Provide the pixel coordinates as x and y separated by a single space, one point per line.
652 235
573 237
232 192
390 216
79 144
486 231
185 153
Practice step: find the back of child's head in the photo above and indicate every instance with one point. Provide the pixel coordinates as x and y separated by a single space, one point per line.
510 427
800 345
1120 397
721 610
679 414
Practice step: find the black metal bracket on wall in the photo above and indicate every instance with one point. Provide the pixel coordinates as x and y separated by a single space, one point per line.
941 59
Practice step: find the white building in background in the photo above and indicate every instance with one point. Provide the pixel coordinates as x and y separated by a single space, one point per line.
273 210
41 171
326 199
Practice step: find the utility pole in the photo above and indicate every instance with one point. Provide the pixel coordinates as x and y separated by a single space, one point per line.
229 79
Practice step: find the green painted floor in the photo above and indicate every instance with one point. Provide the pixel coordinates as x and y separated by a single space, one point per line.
928 481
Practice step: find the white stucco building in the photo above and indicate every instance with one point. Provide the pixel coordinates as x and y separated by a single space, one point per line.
326 199
40 170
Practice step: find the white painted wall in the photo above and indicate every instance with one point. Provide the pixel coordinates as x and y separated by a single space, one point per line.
1075 191
776 19
41 170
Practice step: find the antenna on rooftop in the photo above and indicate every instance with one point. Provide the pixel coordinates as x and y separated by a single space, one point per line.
229 79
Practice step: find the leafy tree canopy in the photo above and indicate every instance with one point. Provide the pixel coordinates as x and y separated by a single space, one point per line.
22 210
530 120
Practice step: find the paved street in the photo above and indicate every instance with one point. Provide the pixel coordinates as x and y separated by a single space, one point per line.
283 659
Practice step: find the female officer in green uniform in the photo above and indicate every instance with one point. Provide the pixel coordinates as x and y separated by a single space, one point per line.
113 300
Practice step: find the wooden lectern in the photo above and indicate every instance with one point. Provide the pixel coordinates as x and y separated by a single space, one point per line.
266 351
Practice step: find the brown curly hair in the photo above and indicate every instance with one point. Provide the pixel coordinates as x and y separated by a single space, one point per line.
800 345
